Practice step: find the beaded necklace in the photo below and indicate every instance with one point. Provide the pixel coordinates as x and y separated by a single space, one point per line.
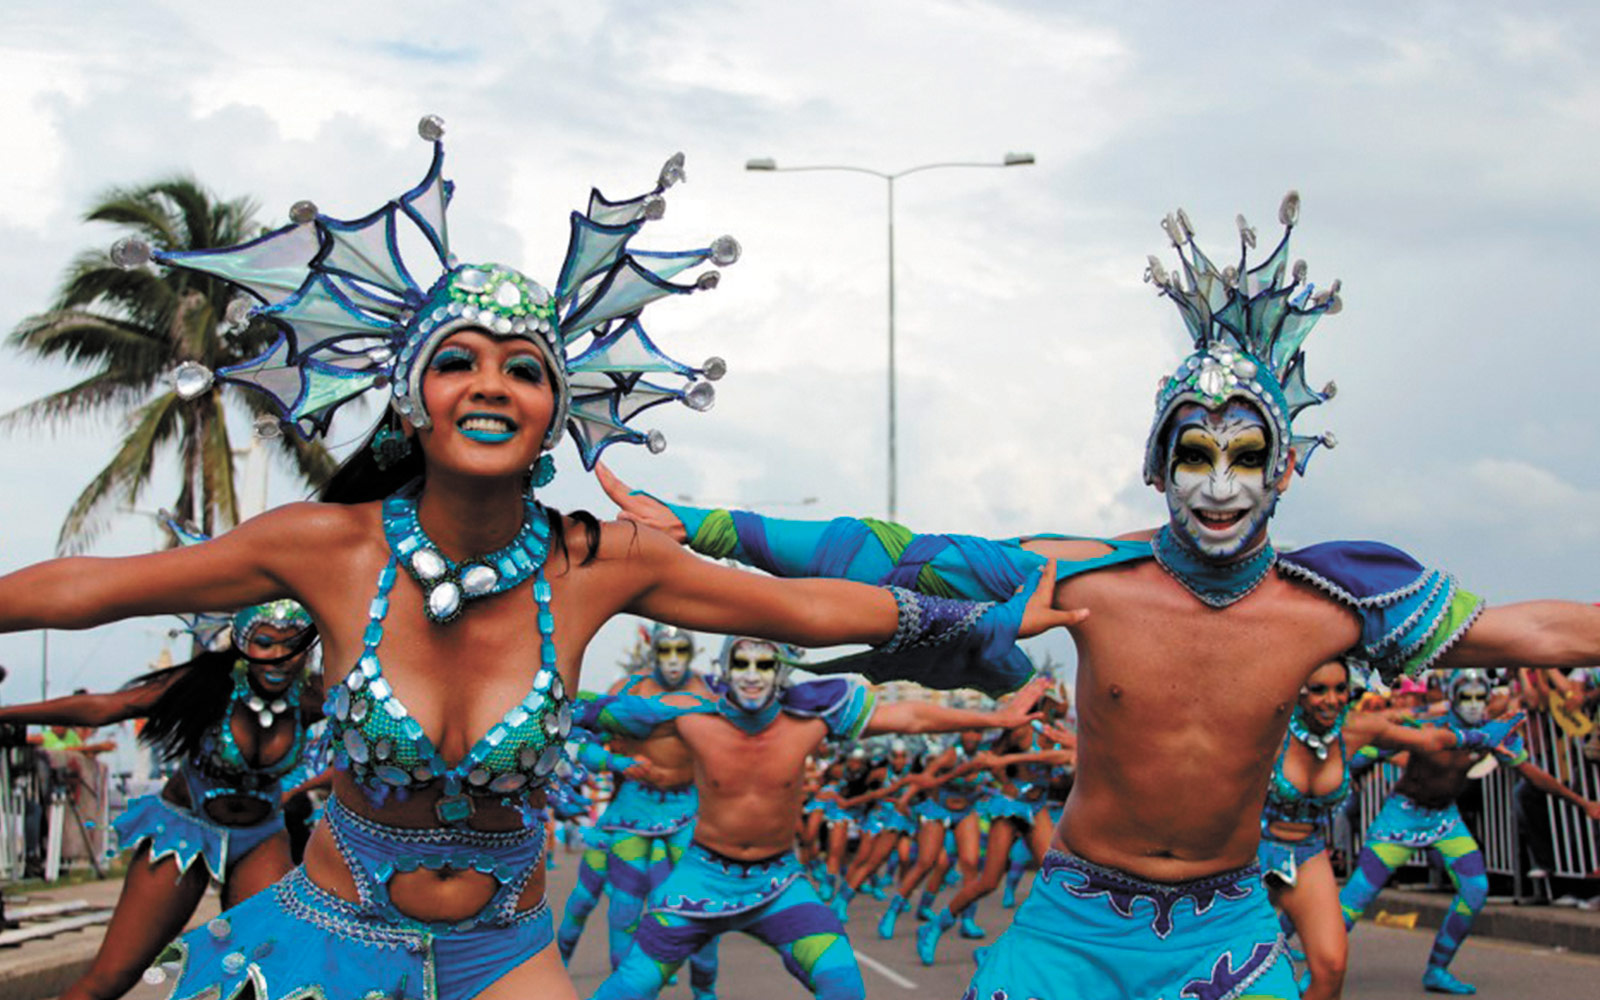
1318 743
448 585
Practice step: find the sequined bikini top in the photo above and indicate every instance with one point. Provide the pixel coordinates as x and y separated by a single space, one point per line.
1287 803
386 751
219 767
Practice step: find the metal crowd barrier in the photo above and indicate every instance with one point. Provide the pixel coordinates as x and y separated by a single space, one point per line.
1575 838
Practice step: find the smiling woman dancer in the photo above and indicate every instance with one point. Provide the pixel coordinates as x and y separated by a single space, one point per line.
234 722
1310 783
435 603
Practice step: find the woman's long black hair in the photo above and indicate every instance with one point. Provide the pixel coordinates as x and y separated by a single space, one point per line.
359 479
194 698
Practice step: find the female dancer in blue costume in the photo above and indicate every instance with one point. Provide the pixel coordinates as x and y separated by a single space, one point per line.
453 608
939 805
1016 810
1310 783
1421 814
1152 887
886 828
234 722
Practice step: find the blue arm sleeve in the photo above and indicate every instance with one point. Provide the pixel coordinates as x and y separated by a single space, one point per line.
627 714
959 644
862 549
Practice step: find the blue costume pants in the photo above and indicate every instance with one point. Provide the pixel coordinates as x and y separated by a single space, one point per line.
708 895
1404 826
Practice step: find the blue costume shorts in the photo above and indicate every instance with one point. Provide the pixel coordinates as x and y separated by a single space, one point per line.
1281 859
1089 931
174 831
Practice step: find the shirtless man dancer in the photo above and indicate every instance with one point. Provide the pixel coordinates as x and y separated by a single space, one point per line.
741 872
1151 888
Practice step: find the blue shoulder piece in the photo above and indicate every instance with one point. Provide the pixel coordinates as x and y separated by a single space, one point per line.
1410 615
843 703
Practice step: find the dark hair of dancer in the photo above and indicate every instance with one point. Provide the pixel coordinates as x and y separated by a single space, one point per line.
197 695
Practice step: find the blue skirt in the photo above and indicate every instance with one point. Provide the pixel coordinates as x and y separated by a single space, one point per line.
173 831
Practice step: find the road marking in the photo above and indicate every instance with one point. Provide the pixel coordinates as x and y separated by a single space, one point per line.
885 971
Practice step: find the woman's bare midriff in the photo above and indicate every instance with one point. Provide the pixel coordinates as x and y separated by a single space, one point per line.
424 894
228 810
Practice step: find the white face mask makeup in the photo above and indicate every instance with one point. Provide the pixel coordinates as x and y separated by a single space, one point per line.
753 675
1471 704
1218 495
672 660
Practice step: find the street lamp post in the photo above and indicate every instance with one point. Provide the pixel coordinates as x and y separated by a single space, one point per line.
768 165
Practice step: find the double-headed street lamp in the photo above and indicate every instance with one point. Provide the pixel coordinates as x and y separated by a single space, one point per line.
770 165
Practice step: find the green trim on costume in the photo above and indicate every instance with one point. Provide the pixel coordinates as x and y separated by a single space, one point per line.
1464 607
894 538
716 537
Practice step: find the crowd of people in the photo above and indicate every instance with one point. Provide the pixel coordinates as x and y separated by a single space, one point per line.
1175 824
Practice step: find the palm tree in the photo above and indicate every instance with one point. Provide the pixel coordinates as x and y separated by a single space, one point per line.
131 328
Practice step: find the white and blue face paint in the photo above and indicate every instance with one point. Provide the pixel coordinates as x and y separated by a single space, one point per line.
1219 496
753 670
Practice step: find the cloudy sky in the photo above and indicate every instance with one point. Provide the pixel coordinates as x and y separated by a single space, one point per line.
1445 153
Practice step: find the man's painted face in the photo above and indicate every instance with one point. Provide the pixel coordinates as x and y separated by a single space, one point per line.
672 658
1218 493
1471 703
752 674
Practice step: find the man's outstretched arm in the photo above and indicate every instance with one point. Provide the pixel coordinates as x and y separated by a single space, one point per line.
1531 634
927 717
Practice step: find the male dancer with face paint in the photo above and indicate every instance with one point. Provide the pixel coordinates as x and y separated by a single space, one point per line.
741 873
1152 887
651 816
1421 814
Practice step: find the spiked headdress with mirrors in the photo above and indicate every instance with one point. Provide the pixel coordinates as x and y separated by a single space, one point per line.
1247 322
354 315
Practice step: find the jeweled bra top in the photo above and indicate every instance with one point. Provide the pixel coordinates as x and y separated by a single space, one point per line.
385 749
219 767
1287 803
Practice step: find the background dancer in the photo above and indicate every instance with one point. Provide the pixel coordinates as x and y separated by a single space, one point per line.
234 723
1016 812
741 872
1153 887
650 819
1421 814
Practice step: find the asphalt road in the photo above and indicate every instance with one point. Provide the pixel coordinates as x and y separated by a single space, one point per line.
1386 963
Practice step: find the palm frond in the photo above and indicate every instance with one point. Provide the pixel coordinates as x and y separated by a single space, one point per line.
122 478
140 294
96 395
133 208
86 338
